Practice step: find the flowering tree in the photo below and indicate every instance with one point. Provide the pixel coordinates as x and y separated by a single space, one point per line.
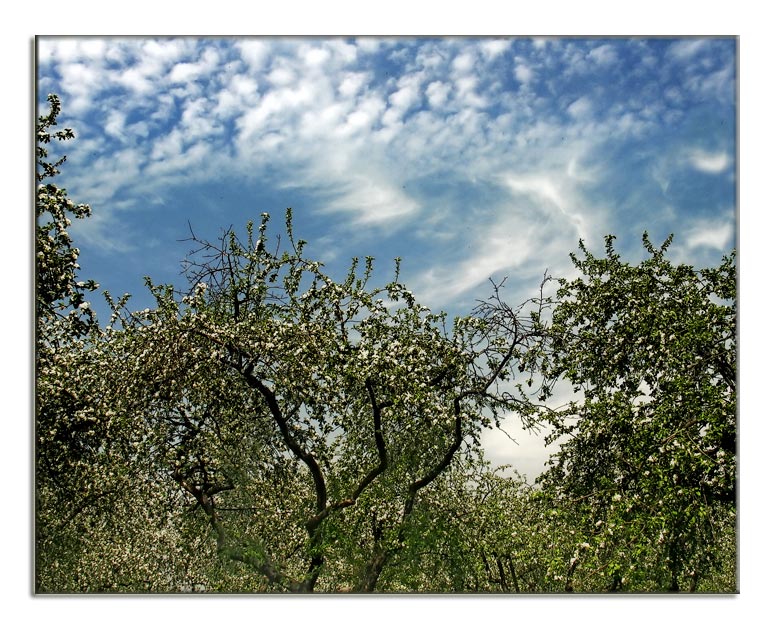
306 418
649 457
64 320
56 260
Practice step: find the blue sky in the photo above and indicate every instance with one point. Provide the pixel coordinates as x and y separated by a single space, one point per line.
470 158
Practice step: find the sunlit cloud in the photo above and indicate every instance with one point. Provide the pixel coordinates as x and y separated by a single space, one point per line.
716 235
523 72
185 72
581 108
709 162
494 48
373 202
534 228
603 55
685 49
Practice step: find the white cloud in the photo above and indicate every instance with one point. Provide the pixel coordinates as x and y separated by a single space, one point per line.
719 84
686 48
629 124
431 57
92 49
315 57
114 126
165 51
139 129
65 50
342 52
146 77
443 283
136 80
404 98
244 85
579 172
437 93
716 235
661 173
523 450
254 52
523 73
167 147
355 137
709 162
581 108
604 55
548 191
197 121
103 232
368 45
531 230
321 123
174 159
373 202
468 94
185 72
463 63
281 104
100 185
352 83
282 76
81 81
240 94
494 48
363 117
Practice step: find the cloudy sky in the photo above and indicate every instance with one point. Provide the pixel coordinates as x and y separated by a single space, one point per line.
470 158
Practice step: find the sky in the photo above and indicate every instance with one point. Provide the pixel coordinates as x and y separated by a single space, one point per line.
470 158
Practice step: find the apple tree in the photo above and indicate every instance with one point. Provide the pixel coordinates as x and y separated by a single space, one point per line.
307 420
647 452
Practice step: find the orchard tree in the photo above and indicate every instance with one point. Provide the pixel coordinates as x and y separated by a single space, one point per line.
307 419
63 315
65 430
58 293
647 452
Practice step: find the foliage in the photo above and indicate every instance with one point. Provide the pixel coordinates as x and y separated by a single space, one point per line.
648 455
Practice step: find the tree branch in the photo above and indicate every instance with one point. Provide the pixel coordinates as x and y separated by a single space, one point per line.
375 472
290 442
255 560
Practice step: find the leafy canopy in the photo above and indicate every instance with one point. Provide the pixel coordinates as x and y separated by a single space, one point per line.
649 448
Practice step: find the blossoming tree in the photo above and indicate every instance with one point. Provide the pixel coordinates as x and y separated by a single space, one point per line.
65 435
648 454
304 417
